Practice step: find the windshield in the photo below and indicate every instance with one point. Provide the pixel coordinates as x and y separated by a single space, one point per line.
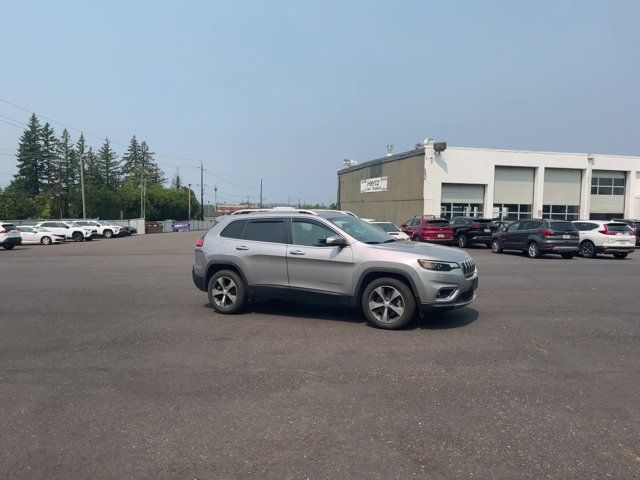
361 230
387 227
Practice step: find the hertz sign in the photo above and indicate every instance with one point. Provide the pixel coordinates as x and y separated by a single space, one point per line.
378 184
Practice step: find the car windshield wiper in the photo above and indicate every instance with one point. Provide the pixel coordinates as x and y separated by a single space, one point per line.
372 242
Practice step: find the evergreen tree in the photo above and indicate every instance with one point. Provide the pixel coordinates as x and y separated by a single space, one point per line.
109 166
177 180
131 161
50 164
152 173
70 174
29 158
91 167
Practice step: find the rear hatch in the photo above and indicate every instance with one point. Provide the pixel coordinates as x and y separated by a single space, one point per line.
562 232
620 233
438 229
10 229
483 225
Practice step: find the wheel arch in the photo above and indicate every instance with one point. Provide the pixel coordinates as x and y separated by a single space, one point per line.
374 273
216 266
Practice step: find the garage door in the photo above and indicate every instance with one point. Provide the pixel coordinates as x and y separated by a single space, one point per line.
462 193
607 192
513 185
562 186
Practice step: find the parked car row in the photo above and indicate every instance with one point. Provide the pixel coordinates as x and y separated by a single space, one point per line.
57 231
535 237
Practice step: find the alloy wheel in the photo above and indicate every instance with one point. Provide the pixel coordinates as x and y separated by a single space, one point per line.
588 249
533 250
225 292
386 304
46 240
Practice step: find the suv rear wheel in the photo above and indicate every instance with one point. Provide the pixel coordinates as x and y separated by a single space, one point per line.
227 292
496 247
620 254
77 236
108 234
533 250
462 240
388 303
567 255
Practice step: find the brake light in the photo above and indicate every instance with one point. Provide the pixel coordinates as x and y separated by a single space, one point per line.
606 231
546 232
4 231
200 242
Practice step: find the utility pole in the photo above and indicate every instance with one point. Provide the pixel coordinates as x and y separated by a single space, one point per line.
60 186
142 212
201 192
215 196
189 194
260 193
84 206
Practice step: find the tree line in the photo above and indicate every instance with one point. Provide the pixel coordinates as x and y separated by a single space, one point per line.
50 169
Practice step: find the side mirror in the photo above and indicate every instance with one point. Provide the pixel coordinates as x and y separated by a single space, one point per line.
336 241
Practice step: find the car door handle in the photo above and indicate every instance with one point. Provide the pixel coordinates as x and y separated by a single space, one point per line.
296 252
242 247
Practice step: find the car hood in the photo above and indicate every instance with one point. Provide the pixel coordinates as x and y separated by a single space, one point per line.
436 252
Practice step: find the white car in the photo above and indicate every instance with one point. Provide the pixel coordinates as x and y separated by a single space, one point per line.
41 235
390 228
70 231
104 229
9 235
610 237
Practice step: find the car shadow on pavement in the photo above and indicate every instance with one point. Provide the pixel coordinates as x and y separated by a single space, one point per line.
450 319
340 313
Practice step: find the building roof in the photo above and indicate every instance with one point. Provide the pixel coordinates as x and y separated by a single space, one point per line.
385 159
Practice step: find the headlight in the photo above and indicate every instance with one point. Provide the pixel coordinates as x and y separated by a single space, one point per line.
438 266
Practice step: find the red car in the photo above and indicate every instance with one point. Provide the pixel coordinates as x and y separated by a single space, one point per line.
429 229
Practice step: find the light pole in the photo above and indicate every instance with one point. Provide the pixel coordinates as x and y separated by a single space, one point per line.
189 195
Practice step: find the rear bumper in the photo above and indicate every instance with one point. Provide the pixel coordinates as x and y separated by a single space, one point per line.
615 249
437 240
198 280
479 238
560 249
11 241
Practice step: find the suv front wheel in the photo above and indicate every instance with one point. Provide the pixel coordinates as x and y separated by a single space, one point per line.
388 303
227 292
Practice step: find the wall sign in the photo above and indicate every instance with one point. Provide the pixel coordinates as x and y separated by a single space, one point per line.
378 184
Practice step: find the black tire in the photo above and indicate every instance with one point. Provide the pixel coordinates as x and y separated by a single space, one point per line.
227 292
397 304
107 234
8 247
77 236
415 238
88 239
462 241
568 255
533 250
621 255
45 241
496 246
588 249
488 244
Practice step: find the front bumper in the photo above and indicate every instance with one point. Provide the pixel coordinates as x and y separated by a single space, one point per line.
445 292
198 280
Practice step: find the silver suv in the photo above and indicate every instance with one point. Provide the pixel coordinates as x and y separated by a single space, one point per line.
331 257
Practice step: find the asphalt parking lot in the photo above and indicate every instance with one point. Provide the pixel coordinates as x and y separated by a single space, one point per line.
113 365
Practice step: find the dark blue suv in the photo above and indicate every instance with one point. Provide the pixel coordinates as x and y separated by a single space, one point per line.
536 237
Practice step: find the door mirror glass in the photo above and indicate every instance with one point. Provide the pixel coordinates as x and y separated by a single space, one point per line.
336 241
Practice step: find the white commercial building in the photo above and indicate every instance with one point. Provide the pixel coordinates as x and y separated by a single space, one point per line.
503 184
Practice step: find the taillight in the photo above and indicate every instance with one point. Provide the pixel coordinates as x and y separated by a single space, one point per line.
200 242
606 231
547 233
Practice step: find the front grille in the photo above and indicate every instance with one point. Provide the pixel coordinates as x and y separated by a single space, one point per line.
468 267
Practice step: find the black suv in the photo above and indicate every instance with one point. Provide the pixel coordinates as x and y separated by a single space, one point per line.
536 237
635 224
468 230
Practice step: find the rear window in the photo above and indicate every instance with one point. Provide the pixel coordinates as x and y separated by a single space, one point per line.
618 227
561 226
234 229
438 223
482 220
387 227
273 231
9 226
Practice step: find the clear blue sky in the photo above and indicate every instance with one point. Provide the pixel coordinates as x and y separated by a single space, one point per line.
284 90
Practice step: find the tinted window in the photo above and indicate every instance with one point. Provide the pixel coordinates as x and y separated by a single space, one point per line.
273 231
234 229
387 227
438 223
9 226
310 234
49 224
513 227
528 225
618 227
26 229
561 226
581 226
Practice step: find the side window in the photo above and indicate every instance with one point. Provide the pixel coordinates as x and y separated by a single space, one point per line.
310 234
234 229
61 225
408 223
415 222
580 226
592 226
48 224
273 231
513 227
525 225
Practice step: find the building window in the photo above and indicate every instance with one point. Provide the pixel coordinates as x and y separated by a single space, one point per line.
607 186
511 211
561 212
450 210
